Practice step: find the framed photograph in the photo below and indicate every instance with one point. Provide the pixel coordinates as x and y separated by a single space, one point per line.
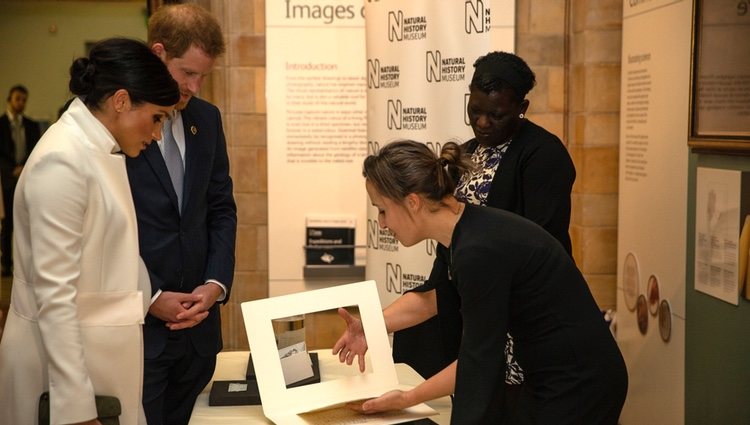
720 78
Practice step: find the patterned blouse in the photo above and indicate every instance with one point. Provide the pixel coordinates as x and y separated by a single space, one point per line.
473 188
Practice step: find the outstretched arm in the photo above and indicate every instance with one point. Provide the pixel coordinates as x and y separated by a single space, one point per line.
441 384
408 310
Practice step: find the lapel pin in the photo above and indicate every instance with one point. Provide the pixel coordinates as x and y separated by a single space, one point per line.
193 129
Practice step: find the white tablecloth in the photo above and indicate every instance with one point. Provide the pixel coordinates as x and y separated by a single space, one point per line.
232 365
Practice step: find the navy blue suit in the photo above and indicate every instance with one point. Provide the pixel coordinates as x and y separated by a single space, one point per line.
183 251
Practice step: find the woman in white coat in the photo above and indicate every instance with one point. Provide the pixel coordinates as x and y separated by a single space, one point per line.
77 304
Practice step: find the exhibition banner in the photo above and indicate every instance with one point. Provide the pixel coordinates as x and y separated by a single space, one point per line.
419 66
652 217
317 140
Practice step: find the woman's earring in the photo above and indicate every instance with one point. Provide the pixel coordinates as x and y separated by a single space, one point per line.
521 116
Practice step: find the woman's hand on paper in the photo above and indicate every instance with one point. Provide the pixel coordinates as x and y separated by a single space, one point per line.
392 400
353 342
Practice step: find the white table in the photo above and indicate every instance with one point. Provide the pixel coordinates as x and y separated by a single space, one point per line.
232 365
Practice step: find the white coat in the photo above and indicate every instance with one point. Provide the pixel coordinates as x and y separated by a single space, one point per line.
77 303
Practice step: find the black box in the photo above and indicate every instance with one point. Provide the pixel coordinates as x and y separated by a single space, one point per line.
250 374
220 395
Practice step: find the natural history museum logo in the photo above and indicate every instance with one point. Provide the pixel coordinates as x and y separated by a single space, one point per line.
476 17
402 28
381 239
382 76
400 117
444 69
397 281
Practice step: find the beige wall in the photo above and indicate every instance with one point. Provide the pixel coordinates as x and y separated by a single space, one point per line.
40 39
574 48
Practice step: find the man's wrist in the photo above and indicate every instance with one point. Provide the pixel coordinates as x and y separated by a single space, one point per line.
223 293
155 296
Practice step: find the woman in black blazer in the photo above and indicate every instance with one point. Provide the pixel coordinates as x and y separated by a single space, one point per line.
510 276
522 168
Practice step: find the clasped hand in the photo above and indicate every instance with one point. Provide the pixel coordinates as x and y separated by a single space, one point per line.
182 311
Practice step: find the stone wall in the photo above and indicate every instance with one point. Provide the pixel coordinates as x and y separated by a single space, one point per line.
237 87
593 116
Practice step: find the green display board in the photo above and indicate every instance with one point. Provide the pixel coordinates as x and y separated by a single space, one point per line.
717 335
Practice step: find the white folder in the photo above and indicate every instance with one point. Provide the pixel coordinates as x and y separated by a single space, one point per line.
284 405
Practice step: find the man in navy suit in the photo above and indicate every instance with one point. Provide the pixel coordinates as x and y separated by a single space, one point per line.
187 221
18 136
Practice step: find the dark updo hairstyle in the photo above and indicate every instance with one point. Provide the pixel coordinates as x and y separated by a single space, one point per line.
501 70
406 166
122 63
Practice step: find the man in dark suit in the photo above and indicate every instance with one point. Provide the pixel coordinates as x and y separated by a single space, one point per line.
187 221
18 136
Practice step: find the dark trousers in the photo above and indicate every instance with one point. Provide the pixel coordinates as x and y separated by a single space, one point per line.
172 381
6 232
